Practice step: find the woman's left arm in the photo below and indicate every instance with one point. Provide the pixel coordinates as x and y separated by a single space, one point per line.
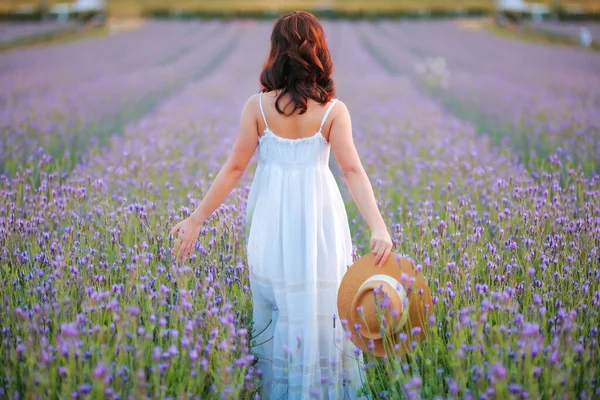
224 182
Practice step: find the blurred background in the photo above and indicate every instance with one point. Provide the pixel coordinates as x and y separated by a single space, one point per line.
28 21
515 69
136 8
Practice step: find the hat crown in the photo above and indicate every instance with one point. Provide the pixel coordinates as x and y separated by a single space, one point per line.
380 297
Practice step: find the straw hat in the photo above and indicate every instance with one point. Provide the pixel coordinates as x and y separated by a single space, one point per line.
404 294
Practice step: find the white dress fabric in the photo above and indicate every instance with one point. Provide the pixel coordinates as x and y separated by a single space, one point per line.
299 247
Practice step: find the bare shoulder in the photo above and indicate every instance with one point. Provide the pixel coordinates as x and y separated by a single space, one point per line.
340 127
252 101
251 107
339 111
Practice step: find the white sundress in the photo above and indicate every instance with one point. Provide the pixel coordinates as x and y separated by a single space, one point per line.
299 247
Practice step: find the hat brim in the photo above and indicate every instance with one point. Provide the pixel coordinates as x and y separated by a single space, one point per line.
420 305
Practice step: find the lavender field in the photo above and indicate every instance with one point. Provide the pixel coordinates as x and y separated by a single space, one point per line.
483 153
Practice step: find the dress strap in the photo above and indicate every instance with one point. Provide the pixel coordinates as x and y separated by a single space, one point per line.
327 114
261 109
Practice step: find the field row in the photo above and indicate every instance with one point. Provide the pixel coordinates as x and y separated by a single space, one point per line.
536 98
67 99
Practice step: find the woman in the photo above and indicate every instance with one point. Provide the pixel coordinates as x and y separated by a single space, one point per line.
298 237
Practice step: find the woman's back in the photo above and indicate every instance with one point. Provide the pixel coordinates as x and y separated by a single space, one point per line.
294 126
287 152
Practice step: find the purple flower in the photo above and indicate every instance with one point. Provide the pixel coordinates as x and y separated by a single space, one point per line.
499 371
100 371
69 330
514 388
85 388
530 330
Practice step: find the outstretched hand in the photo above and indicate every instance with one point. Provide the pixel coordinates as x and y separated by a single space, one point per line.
188 231
381 246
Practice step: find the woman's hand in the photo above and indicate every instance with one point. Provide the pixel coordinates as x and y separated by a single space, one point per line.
381 245
188 230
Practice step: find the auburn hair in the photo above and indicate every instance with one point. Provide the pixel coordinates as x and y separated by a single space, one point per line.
299 62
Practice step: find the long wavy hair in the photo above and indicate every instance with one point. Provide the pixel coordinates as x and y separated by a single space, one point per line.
299 63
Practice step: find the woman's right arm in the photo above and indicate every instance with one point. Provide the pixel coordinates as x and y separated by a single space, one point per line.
342 144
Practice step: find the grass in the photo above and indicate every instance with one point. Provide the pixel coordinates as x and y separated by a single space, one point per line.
55 37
